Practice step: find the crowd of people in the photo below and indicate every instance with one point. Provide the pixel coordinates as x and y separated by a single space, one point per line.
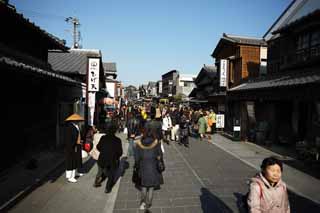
147 130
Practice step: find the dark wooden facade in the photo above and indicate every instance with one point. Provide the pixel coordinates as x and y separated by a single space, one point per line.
287 99
243 55
31 90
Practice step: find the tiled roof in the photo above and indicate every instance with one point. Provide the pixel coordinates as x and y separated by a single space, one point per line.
305 19
109 67
244 39
235 39
57 43
36 70
206 75
281 81
74 61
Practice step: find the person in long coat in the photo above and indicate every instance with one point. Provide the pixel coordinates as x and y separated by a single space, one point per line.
202 123
148 152
184 130
110 148
73 147
133 126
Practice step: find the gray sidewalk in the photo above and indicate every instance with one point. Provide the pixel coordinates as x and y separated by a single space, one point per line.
252 154
52 193
17 182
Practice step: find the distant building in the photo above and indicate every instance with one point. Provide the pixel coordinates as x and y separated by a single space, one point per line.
169 81
131 92
152 89
110 70
185 84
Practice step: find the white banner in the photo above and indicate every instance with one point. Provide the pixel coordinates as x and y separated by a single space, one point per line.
93 75
223 73
110 88
220 121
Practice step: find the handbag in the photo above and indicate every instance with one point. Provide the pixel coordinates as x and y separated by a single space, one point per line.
88 146
160 165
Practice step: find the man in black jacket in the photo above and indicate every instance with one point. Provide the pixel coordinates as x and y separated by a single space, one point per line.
110 148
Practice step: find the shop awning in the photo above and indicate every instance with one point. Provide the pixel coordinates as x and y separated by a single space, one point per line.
20 66
280 81
198 101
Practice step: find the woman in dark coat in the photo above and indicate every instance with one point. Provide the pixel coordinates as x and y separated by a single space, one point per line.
110 149
184 130
148 152
73 147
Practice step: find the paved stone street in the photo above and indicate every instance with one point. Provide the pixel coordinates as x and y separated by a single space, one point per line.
202 178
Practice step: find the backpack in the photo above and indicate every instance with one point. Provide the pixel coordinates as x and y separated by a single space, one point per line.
244 200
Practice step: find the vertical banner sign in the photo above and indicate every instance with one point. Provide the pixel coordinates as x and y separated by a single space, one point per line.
93 76
223 73
220 121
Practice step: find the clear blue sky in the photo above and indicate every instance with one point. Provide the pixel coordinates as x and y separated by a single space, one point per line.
147 38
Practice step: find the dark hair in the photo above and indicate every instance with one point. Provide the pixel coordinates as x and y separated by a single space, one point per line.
271 161
110 128
149 132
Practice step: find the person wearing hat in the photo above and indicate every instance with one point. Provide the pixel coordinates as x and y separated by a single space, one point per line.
73 147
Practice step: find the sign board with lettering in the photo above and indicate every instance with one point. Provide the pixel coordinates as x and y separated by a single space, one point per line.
223 73
93 75
220 121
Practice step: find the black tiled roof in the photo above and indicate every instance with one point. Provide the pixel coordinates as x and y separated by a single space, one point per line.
244 39
36 70
74 61
281 81
109 67
57 43
235 39
315 15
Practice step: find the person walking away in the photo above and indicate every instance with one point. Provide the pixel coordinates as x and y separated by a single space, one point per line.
175 118
133 132
184 130
202 125
166 127
148 153
155 125
110 149
268 193
73 147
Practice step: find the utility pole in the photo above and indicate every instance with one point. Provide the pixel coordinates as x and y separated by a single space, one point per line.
76 23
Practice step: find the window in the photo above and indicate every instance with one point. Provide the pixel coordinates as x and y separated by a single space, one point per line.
303 41
315 38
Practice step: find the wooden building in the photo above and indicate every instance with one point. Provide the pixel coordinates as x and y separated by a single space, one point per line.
287 99
32 90
238 59
206 84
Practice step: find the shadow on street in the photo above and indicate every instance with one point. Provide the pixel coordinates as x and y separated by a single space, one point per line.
211 203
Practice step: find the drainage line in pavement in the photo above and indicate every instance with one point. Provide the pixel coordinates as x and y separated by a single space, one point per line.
193 171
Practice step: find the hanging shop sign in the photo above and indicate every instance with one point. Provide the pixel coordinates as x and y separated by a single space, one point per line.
223 73
93 75
220 121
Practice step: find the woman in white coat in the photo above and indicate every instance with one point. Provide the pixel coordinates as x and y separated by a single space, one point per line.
166 127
